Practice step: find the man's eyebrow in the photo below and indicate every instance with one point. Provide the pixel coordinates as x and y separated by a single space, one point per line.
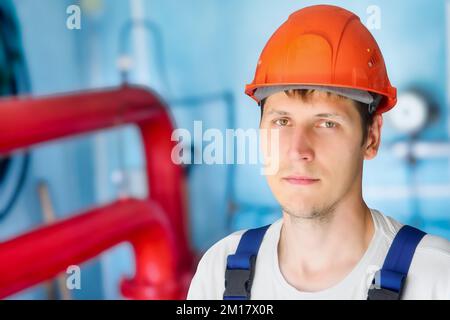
330 115
280 112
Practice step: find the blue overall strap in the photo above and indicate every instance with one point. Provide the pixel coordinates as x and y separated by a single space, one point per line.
241 265
391 278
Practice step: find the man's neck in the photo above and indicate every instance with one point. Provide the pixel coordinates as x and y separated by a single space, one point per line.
327 249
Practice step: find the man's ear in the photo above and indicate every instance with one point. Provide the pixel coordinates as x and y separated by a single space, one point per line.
373 138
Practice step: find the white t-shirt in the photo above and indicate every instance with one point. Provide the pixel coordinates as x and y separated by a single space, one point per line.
428 276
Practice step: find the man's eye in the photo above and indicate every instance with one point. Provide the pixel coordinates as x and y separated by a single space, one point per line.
328 124
281 122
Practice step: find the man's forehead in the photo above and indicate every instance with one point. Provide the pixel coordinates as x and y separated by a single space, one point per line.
322 104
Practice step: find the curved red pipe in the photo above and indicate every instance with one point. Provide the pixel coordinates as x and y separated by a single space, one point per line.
26 122
83 237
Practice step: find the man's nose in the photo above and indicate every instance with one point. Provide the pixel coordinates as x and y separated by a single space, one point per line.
300 145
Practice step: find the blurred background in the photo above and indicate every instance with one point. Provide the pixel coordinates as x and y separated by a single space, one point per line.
198 55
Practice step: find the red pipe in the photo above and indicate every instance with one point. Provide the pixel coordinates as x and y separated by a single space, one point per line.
83 237
26 122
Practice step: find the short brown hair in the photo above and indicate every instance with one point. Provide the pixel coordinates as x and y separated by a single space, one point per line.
363 109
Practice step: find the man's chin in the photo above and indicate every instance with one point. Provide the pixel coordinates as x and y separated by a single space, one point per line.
305 211
299 212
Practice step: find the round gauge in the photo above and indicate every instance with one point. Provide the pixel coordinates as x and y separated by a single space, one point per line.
410 114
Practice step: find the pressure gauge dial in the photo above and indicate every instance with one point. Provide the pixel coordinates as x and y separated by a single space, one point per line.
411 113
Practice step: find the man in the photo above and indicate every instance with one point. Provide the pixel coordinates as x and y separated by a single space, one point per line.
322 85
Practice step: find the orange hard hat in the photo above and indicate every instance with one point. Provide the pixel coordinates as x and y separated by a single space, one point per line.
324 46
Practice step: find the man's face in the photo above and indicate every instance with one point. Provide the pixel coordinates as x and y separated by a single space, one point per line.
319 139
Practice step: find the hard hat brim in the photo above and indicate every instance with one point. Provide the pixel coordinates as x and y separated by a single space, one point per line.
353 94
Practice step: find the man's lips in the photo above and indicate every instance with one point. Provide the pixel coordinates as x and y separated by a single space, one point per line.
301 180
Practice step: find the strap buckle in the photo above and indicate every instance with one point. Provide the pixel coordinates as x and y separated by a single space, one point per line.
385 284
238 282
382 294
